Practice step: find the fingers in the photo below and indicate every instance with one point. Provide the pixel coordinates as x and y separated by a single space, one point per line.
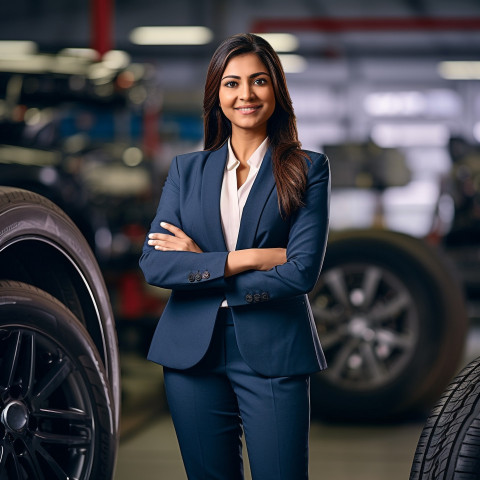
178 232
179 241
163 241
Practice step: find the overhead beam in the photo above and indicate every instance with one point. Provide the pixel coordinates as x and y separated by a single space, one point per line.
336 25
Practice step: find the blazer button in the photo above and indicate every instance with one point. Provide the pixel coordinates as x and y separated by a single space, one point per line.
265 296
257 298
191 277
198 277
206 274
249 298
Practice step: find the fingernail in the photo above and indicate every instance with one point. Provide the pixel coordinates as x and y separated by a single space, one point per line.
163 224
150 235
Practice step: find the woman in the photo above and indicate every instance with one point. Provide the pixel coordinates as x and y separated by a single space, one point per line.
239 236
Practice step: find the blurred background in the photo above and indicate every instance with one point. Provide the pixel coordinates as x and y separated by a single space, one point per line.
97 97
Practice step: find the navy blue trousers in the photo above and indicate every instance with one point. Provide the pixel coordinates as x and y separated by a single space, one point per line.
214 402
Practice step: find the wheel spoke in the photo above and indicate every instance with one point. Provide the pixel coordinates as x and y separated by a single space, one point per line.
5 454
63 439
337 365
10 360
52 380
394 339
333 337
53 465
27 364
336 282
390 309
370 283
324 315
375 368
76 416
29 457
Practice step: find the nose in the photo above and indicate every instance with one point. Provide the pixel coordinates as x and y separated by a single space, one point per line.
246 92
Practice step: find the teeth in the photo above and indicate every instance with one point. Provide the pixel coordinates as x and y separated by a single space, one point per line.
250 109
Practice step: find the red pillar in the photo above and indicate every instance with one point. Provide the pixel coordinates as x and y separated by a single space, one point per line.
101 25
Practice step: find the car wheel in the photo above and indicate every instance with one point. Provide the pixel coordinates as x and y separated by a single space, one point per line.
57 420
41 246
449 445
392 323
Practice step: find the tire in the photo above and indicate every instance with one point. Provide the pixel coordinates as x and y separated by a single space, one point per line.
449 445
57 420
392 322
41 246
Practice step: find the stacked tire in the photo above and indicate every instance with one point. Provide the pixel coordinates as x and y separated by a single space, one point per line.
449 445
59 368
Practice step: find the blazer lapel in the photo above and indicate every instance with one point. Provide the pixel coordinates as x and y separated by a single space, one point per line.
211 189
261 189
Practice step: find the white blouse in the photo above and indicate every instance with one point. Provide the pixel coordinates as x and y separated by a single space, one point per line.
233 199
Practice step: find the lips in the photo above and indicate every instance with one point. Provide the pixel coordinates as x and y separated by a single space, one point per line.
248 109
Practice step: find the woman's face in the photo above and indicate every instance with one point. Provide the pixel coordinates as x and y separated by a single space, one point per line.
246 93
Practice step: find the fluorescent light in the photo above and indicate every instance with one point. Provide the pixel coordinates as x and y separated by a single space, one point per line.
16 48
459 70
410 135
171 35
293 63
395 103
281 42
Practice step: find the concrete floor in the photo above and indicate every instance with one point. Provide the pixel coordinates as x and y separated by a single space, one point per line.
344 452
336 453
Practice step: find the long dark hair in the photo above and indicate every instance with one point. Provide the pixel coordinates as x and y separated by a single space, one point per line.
289 162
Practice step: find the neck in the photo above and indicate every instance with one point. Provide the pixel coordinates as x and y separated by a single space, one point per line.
245 143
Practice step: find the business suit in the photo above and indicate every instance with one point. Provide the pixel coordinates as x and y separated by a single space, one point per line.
269 317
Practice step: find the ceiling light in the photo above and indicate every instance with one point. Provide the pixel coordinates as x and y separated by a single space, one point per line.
171 35
16 48
293 63
459 70
410 135
281 42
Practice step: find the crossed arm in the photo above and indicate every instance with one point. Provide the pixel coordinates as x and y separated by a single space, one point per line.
238 261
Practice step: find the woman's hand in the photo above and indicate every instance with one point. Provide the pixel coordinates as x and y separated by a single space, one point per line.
178 242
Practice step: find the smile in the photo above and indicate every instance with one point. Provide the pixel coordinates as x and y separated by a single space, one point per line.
247 110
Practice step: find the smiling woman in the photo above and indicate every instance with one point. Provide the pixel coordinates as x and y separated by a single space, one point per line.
239 237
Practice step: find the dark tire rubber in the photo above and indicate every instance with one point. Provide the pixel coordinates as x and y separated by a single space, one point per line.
449 445
57 416
28 217
383 366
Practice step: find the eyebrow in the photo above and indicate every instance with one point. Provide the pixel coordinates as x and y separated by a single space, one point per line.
253 75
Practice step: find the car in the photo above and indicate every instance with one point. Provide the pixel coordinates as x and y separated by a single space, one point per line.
59 365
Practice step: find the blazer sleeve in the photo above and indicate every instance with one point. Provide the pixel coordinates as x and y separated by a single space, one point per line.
179 270
305 249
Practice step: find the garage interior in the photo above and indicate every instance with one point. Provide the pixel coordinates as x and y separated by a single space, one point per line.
389 91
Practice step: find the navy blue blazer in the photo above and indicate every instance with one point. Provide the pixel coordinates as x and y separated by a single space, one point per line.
273 320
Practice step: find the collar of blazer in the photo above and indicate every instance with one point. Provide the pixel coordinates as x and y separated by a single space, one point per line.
261 189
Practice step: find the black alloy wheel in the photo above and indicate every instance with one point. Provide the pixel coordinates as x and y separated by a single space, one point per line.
56 416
